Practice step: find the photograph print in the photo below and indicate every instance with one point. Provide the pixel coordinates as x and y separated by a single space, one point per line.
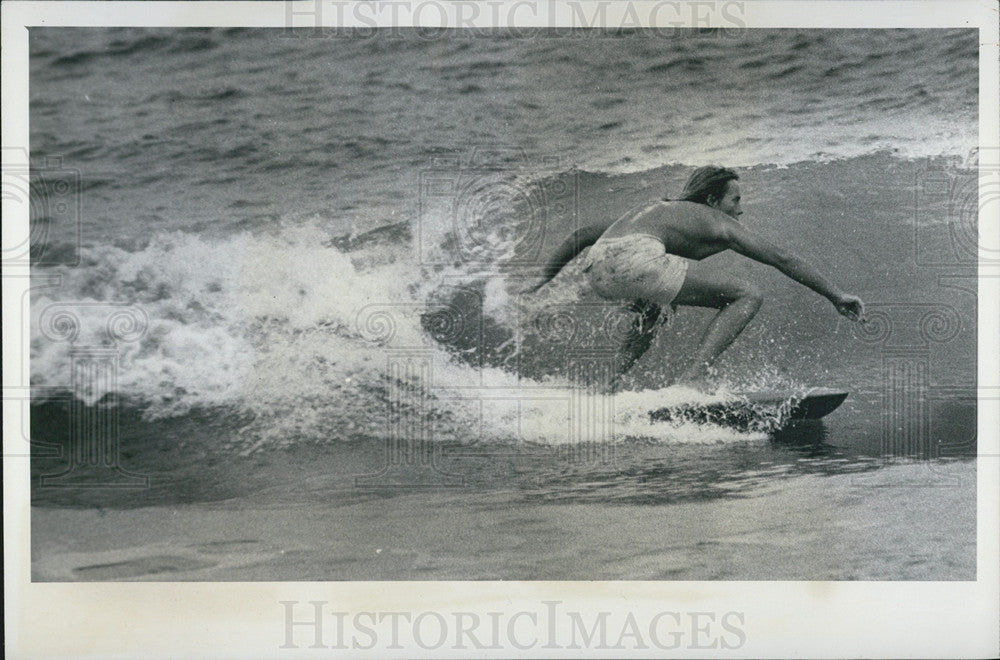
552 304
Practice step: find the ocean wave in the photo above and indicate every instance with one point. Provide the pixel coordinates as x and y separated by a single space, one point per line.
858 141
876 157
296 336
116 48
376 414
208 224
135 44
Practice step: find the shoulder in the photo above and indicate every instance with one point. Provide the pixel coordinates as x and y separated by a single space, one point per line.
693 209
709 221
655 211
678 209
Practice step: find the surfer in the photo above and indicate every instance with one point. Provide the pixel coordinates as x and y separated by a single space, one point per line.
643 257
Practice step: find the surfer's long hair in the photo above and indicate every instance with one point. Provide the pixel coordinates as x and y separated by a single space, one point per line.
707 182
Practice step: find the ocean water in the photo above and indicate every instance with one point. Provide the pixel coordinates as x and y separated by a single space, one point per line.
305 256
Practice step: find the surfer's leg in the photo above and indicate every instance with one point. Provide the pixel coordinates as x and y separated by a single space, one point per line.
639 338
635 267
641 334
737 303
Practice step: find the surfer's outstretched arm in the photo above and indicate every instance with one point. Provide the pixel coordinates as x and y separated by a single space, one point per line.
760 249
572 246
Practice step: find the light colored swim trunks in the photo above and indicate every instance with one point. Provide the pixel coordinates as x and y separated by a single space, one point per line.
635 267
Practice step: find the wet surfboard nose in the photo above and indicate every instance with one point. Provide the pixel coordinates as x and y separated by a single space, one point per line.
817 403
746 407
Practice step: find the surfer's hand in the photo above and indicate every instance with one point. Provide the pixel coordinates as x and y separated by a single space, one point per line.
851 307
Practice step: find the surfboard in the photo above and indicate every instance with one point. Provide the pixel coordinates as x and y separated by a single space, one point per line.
766 409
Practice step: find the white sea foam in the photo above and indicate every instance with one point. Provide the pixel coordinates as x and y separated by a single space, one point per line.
288 331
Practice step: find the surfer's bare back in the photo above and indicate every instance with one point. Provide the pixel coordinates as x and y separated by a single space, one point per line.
643 256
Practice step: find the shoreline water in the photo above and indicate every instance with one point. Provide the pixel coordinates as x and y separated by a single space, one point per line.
819 528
